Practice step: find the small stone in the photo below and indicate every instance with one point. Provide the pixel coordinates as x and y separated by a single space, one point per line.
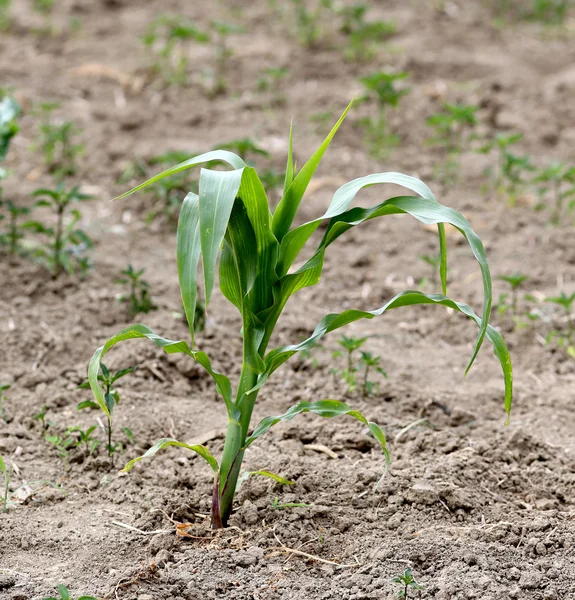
541 549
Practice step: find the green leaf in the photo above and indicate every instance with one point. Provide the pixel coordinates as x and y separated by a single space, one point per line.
323 408
222 155
138 331
218 190
87 404
188 255
3 466
245 476
165 443
64 594
288 205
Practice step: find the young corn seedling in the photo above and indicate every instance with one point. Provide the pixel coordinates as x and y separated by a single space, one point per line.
310 17
57 144
363 37
66 243
434 262
370 362
62 444
64 594
350 345
41 417
83 436
515 169
223 53
380 87
553 178
169 39
564 341
407 584
109 398
231 216
452 128
138 297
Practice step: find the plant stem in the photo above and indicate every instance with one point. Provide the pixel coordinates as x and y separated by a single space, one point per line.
58 242
232 457
365 375
110 453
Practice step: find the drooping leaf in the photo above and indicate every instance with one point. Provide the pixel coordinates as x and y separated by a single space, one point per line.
138 331
323 408
245 476
167 442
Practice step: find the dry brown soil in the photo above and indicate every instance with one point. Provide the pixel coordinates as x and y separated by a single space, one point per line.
476 509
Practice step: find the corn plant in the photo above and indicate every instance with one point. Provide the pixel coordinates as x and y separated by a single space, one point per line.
515 280
62 444
41 417
258 249
64 594
138 297
553 178
566 302
83 437
110 398
309 18
57 143
66 242
407 583
380 88
363 37
168 38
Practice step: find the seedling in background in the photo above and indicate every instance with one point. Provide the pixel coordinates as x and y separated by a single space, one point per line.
516 280
380 87
57 143
515 169
309 20
363 36
270 81
111 398
552 12
6 472
41 416
258 248
62 446
370 362
452 127
138 297
66 243
246 148
169 39
15 230
553 179
84 436
407 584
350 345
3 399
43 7
64 594
223 53
566 301
501 143
434 262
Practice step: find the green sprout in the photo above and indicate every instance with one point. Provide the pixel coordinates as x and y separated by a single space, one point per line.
451 127
231 214
138 297
66 243
111 398
62 444
223 53
6 472
514 171
363 36
56 142
64 594
15 230
501 142
566 302
41 416
369 362
309 18
84 436
350 346
380 87
3 399
516 280
407 583
554 177
168 38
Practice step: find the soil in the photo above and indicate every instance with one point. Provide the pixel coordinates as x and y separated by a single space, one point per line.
477 509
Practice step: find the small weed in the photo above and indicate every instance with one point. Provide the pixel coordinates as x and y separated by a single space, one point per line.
111 398
310 20
84 436
363 37
15 231
515 169
64 594
41 417
56 142
138 297
407 584
566 301
516 280
553 178
380 87
370 362
350 346
66 242
62 444
434 262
